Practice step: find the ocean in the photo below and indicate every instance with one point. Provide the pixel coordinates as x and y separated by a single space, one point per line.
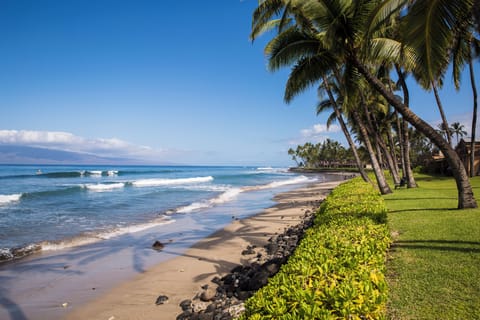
49 208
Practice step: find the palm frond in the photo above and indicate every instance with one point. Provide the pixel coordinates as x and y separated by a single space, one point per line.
323 106
266 11
389 50
307 72
288 47
428 30
381 14
332 118
460 56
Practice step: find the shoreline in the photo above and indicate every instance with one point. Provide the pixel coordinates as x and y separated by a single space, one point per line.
183 276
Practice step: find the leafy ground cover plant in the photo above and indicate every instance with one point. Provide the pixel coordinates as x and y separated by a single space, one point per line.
337 271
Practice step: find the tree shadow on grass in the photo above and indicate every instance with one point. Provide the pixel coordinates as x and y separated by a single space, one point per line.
415 198
439 245
421 209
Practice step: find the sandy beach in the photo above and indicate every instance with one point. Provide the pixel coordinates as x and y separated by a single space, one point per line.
182 277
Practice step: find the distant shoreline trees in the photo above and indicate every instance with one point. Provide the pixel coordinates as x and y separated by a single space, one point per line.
327 154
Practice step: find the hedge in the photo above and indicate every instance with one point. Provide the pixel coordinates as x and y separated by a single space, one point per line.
337 271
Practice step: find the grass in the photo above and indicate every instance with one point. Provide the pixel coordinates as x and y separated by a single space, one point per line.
433 269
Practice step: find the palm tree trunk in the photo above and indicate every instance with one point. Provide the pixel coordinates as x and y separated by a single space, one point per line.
381 181
465 191
393 154
361 169
378 150
474 119
380 145
442 113
408 173
388 158
400 143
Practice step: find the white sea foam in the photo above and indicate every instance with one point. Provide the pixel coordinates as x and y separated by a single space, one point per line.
5 254
95 173
112 172
4 199
231 193
296 180
168 182
104 186
224 197
90 238
205 187
271 170
281 183
133 228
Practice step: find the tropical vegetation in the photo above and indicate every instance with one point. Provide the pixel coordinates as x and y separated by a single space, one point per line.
359 53
338 269
326 154
354 263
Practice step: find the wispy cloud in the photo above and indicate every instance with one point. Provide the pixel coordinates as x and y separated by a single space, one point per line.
111 147
315 134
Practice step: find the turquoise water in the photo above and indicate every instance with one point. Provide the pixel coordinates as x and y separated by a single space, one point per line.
51 207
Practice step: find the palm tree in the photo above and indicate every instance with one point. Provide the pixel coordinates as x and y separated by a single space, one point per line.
465 48
349 33
404 132
332 103
444 130
372 107
458 130
292 153
442 17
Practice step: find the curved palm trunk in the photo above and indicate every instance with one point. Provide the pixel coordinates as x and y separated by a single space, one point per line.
381 181
392 164
474 119
442 113
380 144
391 146
382 147
358 161
378 150
400 143
408 173
338 114
465 191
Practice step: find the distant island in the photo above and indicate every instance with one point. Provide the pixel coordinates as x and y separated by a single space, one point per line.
16 154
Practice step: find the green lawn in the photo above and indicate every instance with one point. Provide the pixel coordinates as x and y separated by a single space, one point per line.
434 263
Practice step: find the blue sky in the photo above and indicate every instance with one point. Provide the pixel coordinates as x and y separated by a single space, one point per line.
167 81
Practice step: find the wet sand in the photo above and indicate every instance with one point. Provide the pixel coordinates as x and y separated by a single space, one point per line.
182 277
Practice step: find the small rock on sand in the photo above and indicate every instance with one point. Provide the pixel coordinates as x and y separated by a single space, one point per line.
157 245
161 300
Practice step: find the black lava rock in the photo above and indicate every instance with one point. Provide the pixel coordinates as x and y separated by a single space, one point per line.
161 300
244 280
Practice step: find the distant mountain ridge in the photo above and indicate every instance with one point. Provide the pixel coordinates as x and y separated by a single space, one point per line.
16 154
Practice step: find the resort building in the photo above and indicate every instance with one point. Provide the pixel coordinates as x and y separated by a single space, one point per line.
463 150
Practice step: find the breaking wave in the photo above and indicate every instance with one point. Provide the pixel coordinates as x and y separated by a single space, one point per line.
101 187
231 193
5 199
169 182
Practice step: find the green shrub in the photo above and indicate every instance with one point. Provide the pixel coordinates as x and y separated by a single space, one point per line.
354 198
337 271
419 169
